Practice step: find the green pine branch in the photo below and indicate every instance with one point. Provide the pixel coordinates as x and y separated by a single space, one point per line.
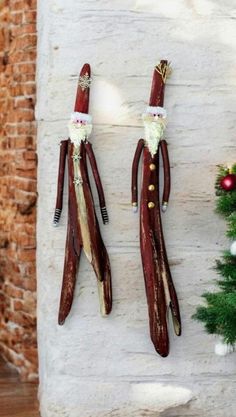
219 313
226 203
231 221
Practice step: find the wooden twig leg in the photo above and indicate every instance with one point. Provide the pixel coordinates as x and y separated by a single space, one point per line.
166 167
105 289
97 179
134 180
60 182
69 276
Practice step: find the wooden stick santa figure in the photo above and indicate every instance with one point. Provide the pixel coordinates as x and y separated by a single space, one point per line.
83 229
160 291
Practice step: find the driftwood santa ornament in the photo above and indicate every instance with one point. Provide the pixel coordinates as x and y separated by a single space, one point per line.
160 291
83 229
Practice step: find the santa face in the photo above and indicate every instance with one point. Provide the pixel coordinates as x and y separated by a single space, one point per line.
154 121
80 127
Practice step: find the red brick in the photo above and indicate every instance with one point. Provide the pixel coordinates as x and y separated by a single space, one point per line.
11 129
26 255
20 5
24 142
22 318
30 155
30 16
16 18
25 103
16 89
31 355
22 56
18 305
20 30
27 242
29 89
13 291
25 184
24 42
26 68
27 129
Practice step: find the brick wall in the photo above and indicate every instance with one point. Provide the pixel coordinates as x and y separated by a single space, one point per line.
18 185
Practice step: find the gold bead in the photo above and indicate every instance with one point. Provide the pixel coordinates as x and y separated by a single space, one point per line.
152 167
151 205
151 187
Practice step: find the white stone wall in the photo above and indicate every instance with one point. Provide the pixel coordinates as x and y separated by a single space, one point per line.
108 367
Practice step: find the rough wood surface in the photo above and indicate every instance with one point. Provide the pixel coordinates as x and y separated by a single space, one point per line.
123 40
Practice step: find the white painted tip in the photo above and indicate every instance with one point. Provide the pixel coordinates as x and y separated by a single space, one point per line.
135 209
55 224
164 207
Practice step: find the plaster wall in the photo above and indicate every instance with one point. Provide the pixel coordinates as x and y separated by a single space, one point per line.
108 367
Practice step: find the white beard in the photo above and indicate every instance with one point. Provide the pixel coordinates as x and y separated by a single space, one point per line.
154 130
79 132
80 127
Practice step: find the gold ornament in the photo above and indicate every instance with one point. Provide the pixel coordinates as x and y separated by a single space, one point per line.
151 205
151 187
152 167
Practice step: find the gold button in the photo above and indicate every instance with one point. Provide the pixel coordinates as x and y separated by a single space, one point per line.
151 205
152 167
151 187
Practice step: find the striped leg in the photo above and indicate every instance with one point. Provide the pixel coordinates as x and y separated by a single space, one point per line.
60 182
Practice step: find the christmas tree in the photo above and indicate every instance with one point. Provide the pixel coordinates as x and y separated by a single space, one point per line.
219 313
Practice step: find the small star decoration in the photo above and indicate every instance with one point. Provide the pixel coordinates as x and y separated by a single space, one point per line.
76 157
78 181
84 81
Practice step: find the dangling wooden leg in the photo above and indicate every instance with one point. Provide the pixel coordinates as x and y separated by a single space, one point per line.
104 286
155 290
174 304
60 181
171 299
69 275
101 265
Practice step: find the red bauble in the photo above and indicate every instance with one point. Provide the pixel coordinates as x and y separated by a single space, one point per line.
228 183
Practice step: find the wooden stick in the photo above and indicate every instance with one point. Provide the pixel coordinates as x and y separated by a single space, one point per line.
83 228
98 182
60 182
69 276
160 291
134 181
167 181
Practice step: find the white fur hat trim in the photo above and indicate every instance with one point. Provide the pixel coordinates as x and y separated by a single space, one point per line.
157 111
80 117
